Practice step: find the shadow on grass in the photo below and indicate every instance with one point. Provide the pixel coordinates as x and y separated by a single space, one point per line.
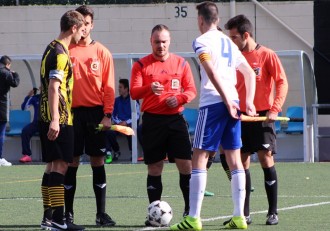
87 227
19 227
116 227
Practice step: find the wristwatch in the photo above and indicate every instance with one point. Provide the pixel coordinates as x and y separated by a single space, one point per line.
108 115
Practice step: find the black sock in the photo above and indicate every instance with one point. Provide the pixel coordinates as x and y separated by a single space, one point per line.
210 162
248 192
45 197
154 188
70 184
56 194
100 187
271 188
225 165
184 185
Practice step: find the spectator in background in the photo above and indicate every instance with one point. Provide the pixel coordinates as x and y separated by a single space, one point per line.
8 79
32 128
121 115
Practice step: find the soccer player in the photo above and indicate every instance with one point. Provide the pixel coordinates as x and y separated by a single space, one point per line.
218 119
260 137
92 103
165 83
56 130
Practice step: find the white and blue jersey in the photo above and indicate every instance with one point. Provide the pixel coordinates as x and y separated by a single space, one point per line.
215 125
225 56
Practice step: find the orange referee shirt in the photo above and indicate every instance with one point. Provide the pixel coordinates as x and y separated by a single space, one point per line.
269 71
174 74
93 71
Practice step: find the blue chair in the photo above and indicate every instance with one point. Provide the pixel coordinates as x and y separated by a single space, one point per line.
191 115
18 119
295 127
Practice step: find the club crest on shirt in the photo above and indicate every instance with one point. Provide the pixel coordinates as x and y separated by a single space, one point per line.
256 68
257 71
95 65
175 84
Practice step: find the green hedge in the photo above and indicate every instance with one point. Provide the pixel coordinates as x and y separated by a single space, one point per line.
101 2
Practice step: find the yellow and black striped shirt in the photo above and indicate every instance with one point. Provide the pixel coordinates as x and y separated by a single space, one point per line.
56 64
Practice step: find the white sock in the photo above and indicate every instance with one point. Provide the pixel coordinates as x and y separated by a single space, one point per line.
238 191
197 188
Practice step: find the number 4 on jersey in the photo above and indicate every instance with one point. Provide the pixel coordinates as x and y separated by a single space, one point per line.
226 53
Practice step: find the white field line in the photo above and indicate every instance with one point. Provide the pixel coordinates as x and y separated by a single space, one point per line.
257 212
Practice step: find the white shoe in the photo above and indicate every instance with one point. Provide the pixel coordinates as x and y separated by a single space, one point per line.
4 162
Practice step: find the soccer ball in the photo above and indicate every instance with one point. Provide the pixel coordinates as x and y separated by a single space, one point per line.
159 213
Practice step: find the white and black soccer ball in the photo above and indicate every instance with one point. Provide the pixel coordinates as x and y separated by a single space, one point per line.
159 213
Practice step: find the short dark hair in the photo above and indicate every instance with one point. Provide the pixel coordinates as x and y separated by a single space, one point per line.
5 60
124 82
209 11
86 11
241 23
159 27
71 18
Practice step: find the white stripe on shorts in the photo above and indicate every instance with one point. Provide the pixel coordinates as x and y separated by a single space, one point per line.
200 127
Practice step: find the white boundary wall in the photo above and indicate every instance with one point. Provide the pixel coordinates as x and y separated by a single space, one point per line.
126 28
26 30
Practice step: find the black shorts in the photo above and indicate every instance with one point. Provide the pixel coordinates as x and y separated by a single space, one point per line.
60 148
258 136
86 139
165 135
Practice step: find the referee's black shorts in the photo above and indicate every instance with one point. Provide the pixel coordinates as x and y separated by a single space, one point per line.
59 149
257 136
86 140
165 135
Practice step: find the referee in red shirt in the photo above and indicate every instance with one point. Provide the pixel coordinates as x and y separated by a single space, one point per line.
165 83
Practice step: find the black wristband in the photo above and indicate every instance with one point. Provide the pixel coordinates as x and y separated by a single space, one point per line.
108 115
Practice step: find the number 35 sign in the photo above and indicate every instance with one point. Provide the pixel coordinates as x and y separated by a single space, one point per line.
181 11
